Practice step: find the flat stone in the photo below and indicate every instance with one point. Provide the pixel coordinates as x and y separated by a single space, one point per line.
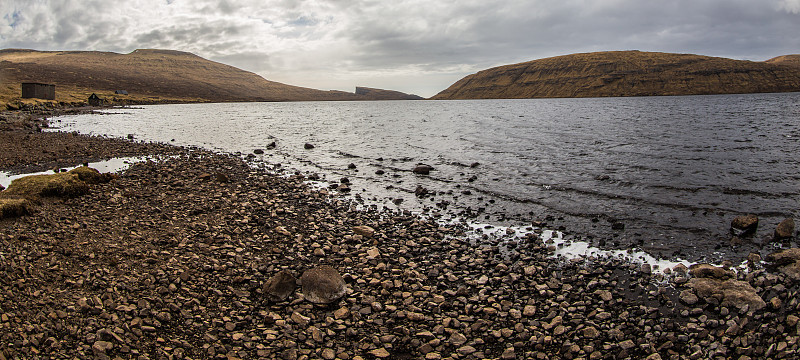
380 353
364 231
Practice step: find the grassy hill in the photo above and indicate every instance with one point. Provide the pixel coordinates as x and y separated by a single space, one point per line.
628 73
148 76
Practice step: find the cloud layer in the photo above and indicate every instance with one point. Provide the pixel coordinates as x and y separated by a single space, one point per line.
408 45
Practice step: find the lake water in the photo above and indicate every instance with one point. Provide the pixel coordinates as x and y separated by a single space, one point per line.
674 171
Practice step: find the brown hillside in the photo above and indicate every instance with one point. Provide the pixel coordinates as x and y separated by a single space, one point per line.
147 74
793 60
624 73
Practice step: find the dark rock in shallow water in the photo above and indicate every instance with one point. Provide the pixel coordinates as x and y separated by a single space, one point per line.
745 224
272 145
279 287
423 169
785 229
322 284
308 146
420 191
258 151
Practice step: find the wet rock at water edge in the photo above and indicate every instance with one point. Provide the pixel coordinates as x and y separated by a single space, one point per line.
279 287
258 152
423 169
308 146
710 271
351 166
322 284
785 229
272 145
420 191
745 224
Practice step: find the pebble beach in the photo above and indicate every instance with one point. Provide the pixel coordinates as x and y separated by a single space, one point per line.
197 255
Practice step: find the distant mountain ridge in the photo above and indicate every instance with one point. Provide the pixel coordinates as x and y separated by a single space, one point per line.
152 73
628 73
380 94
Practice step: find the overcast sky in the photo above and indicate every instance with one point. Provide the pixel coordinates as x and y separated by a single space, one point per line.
414 46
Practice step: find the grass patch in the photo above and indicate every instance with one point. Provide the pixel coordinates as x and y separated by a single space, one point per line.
10 208
36 186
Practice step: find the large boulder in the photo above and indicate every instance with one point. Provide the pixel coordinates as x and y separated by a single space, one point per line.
744 224
732 293
785 229
279 287
322 284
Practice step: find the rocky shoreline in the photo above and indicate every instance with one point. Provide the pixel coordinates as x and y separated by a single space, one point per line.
176 259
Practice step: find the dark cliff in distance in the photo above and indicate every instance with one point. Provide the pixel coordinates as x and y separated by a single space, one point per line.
158 75
380 94
628 73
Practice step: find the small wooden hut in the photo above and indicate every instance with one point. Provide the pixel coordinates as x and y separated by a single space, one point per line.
95 100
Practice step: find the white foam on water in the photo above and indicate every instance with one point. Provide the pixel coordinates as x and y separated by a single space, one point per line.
570 249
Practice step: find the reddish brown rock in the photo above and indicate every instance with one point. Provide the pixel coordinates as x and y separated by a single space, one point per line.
322 284
785 229
744 224
280 286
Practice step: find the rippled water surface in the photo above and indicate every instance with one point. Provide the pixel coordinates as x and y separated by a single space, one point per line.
673 170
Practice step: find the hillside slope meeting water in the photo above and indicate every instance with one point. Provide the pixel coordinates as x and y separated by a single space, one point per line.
663 174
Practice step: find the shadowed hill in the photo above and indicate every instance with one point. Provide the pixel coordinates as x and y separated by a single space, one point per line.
627 73
380 94
155 74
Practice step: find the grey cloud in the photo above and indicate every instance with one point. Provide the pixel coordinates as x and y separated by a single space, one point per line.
367 37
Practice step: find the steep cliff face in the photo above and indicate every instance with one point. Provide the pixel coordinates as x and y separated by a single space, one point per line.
625 73
162 74
381 94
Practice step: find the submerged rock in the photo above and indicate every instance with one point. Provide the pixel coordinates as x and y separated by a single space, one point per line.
308 146
322 284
